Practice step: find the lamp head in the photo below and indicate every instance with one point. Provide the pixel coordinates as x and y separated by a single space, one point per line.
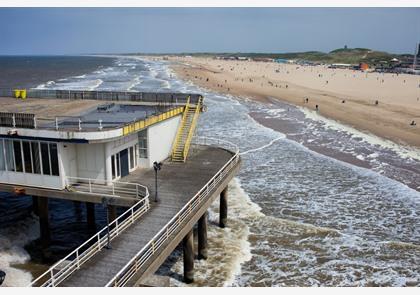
157 166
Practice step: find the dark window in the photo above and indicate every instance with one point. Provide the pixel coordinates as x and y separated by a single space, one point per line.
113 166
45 159
35 157
54 159
118 165
131 157
18 156
27 156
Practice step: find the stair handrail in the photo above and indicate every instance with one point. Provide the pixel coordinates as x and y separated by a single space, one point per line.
181 127
192 128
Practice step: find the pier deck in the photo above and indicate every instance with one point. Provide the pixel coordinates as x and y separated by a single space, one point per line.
178 183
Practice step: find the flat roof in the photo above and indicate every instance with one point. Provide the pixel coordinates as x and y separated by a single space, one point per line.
113 114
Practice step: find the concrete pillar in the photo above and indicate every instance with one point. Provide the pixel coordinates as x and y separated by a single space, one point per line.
223 208
188 247
112 211
90 215
202 237
44 224
35 205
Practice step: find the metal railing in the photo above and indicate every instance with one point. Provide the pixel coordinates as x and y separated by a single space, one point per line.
192 129
153 97
72 262
101 187
146 253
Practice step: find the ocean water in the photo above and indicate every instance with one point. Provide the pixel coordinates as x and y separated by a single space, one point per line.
316 203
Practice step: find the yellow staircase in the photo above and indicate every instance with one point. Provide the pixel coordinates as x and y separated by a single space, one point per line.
186 131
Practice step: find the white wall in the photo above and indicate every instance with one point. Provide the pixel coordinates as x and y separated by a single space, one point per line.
91 160
67 159
160 138
31 179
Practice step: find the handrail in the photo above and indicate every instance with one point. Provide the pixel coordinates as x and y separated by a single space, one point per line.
145 254
100 186
66 266
182 123
192 129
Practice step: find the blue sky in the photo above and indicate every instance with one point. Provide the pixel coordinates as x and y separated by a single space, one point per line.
159 30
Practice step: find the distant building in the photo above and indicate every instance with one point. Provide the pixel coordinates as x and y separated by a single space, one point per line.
340 66
281 60
263 59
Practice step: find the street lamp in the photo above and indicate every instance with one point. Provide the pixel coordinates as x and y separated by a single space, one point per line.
2 276
157 166
105 205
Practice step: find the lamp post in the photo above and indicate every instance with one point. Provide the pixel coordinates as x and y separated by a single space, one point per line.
157 166
2 277
105 205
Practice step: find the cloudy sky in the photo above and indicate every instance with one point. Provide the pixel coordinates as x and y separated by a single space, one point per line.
160 30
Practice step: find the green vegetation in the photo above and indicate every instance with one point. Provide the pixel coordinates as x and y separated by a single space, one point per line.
341 55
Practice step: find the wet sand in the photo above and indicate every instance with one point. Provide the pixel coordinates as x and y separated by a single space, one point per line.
344 95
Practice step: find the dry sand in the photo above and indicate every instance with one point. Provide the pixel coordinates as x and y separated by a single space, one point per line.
398 96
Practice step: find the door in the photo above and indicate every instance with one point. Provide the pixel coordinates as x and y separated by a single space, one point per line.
124 162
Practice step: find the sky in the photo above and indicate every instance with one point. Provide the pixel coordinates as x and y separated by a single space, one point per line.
43 31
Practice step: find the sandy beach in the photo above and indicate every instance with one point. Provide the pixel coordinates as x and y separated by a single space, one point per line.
344 95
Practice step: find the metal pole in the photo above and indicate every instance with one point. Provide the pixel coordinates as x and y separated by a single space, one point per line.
156 186
108 246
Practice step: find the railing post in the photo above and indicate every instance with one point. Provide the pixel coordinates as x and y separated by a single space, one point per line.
132 215
13 120
100 124
56 123
77 259
35 122
99 242
52 277
90 185
80 124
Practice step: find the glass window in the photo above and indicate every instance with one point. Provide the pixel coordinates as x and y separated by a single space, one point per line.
10 162
54 159
27 156
17 149
2 159
113 166
143 144
45 159
36 163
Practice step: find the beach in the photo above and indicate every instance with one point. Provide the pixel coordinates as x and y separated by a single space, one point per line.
347 96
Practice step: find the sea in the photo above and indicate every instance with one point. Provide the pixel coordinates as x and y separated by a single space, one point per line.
316 202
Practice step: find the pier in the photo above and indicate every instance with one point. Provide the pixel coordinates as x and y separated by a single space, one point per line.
186 190
101 147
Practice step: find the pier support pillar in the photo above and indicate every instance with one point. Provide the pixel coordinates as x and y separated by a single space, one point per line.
35 205
223 208
112 211
44 224
188 247
90 215
202 237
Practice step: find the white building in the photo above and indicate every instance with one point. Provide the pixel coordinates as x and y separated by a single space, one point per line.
46 142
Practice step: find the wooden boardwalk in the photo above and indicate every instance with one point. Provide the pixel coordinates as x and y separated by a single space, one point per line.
178 183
